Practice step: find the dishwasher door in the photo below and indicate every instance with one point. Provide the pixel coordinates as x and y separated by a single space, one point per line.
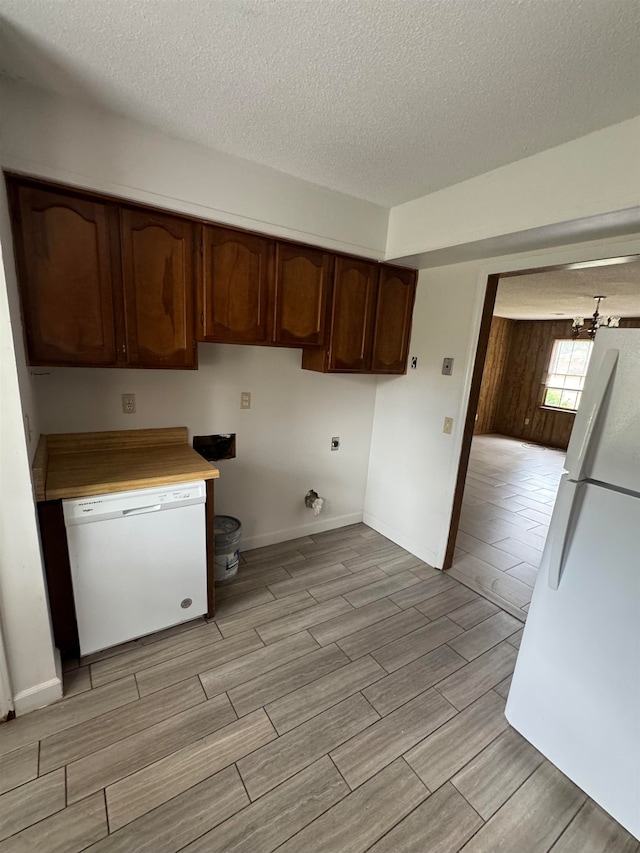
138 562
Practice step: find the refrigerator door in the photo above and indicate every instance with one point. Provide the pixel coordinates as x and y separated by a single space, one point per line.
605 441
575 693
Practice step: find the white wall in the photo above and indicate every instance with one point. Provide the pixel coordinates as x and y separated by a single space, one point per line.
594 176
72 143
283 441
413 466
24 609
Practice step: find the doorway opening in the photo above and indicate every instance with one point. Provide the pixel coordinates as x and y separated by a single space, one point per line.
531 359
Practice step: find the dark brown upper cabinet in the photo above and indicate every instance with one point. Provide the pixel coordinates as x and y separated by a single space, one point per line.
394 309
158 284
65 270
236 296
370 321
352 313
303 293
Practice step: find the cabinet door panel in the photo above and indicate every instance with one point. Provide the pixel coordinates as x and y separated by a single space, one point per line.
354 301
303 291
65 277
396 294
157 270
236 299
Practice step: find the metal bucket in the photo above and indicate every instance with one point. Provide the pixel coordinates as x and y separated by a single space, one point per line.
227 531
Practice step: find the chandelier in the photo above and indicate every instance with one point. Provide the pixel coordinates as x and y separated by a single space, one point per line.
596 321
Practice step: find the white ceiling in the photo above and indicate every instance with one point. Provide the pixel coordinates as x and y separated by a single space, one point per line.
386 100
569 293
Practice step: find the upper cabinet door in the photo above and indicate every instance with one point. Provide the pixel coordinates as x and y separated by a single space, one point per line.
396 294
303 292
64 261
354 303
236 291
158 280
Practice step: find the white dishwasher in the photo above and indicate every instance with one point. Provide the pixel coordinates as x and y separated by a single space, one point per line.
138 561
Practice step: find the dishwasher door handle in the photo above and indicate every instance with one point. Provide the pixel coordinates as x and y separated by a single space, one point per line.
140 510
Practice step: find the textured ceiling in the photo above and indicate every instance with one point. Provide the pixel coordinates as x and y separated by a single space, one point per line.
569 293
384 99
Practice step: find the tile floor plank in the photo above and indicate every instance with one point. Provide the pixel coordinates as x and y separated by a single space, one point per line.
230 605
401 564
409 681
31 803
168 828
272 764
422 591
356 620
309 579
475 611
399 653
491 579
490 778
502 689
441 824
74 743
18 767
144 656
489 553
374 591
113 762
476 678
66 713
314 698
378 745
307 618
243 584
437 758
360 819
67 831
592 829
381 632
533 818
285 679
256 663
353 581
238 623
452 598
484 635
200 660
267 823
150 787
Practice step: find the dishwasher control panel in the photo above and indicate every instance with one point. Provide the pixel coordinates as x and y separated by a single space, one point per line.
137 502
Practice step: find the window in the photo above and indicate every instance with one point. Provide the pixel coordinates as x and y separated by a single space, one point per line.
565 377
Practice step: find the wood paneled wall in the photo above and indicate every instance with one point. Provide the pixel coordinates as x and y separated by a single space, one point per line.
522 375
492 375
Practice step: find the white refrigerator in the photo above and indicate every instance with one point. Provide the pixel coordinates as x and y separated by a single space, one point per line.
575 693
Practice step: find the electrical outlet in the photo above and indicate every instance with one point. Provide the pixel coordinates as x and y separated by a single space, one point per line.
448 426
245 400
414 362
129 404
447 367
335 442
526 421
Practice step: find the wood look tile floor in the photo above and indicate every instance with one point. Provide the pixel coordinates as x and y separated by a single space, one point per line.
359 708
508 499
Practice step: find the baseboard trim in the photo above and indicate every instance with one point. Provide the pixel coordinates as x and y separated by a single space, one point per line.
38 696
302 530
412 547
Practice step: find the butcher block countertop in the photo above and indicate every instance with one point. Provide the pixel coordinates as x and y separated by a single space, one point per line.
75 465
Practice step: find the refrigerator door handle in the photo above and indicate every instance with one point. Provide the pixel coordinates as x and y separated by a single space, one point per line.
560 530
586 420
